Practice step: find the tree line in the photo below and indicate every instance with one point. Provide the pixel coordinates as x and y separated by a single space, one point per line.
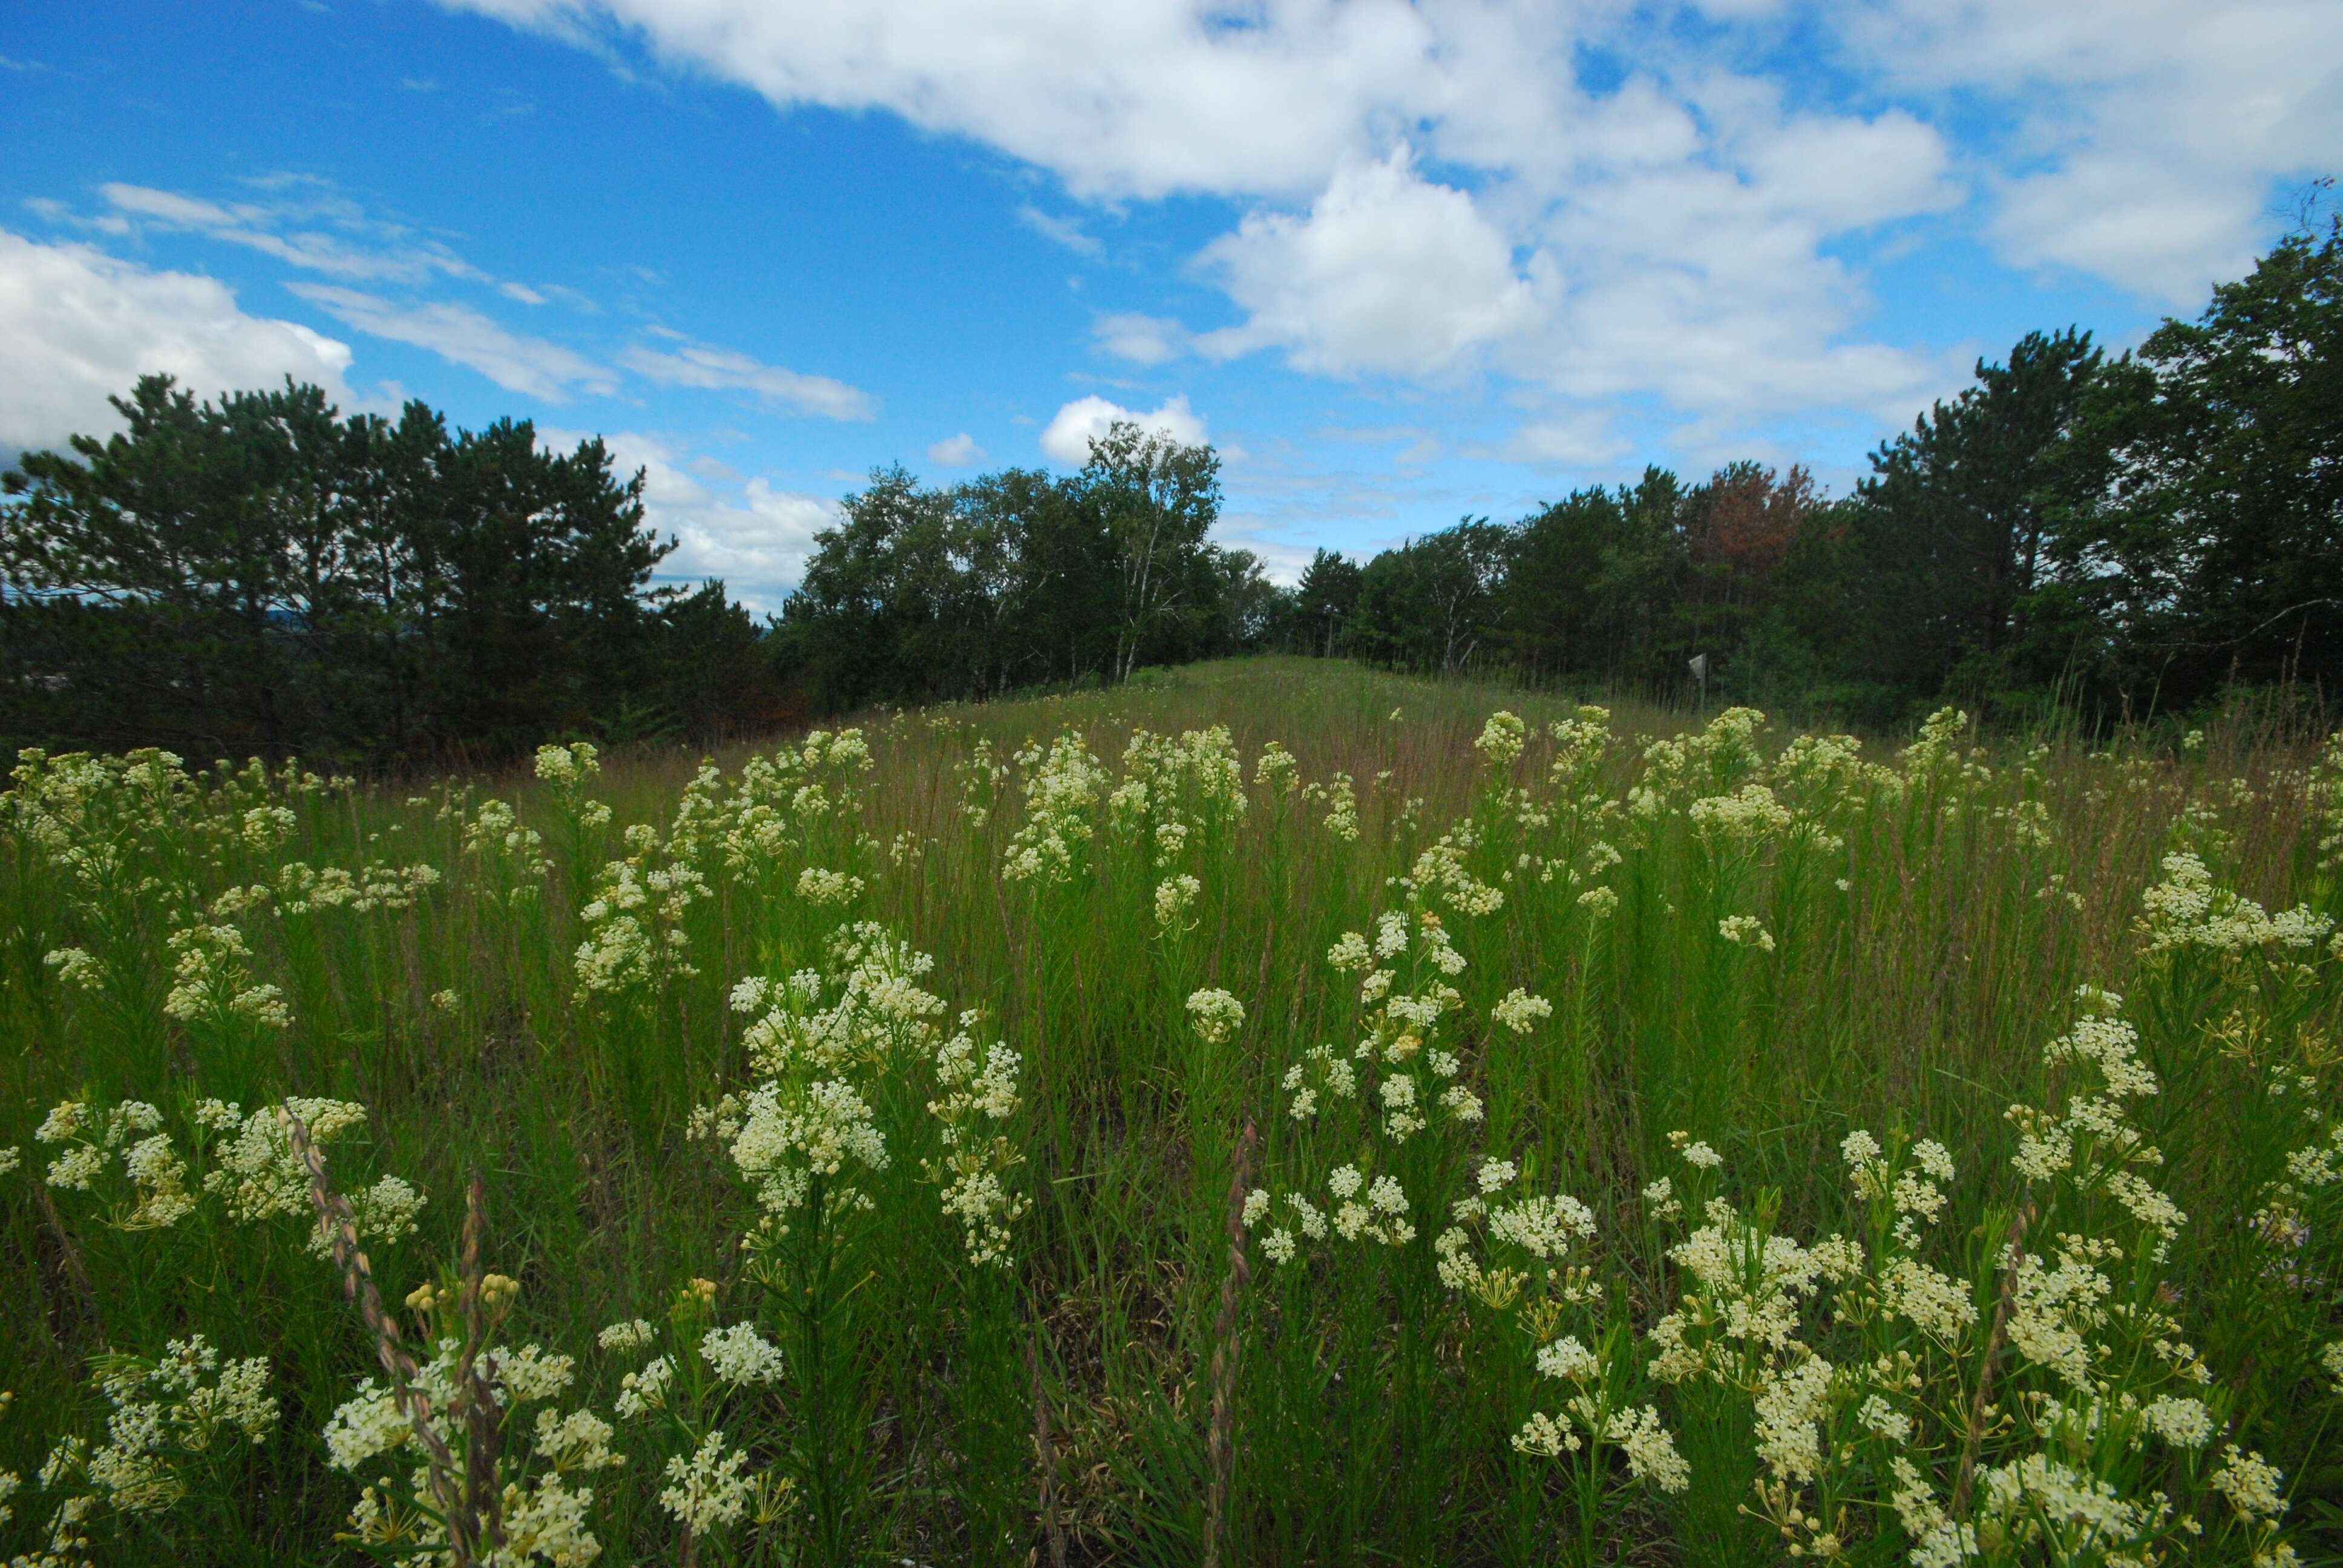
261 575
2117 534
1025 577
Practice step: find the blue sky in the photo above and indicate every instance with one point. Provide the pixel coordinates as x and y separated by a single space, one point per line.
1398 262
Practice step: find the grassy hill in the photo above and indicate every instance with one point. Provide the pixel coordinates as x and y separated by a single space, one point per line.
1271 1113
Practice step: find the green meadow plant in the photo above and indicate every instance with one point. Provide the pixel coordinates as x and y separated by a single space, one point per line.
1371 1122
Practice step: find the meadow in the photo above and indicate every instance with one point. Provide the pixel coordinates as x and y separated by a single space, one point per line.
1268 1114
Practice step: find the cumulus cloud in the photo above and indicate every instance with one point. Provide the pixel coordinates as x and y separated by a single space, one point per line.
1387 271
81 326
690 364
455 332
1682 234
755 536
1141 98
958 451
1068 436
2142 136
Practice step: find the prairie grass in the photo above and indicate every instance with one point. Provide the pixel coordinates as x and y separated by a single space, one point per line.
1356 1120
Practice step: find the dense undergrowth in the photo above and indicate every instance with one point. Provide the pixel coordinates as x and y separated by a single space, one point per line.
1280 1115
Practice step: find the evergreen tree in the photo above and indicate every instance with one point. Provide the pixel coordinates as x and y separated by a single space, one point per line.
1956 521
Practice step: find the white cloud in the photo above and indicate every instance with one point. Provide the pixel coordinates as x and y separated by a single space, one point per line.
459 333
81 326
1282 560
1388 272
958 451
1569 440
2145 134
1139 98
701 364
1681 235
1068 436
1140 338
1063 231
757 537
393 257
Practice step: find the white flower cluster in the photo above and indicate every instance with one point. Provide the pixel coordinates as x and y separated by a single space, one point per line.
1216 1015
211 982
634 935
1709 761
1442 870
742 1356
1501 739
255 1171
875 1012
1748 815
178 1403
707 1490
1062 786
127 1135
1320 1073
1276 771
1938 747
1519 1012
163 1411
632 1334
976 1160
2093 1144
2095 1364
301 889
1174 897
1373 1212
1198 777
644 1390
1743 1296
822 887
1530 1241
2188 910
511 857
1342 801
547 1493
785 1133
2323 793
569 766
1911 1190
89 815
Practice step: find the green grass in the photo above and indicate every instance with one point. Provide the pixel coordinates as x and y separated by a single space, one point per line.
1922 929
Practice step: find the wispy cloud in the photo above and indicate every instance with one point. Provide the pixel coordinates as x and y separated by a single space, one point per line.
702 364
459 333
1063 231
1140 338
364 251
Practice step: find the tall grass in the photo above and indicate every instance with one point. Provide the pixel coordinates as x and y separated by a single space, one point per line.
1659 1140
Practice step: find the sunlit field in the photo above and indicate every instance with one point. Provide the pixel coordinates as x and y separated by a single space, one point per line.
1271 1114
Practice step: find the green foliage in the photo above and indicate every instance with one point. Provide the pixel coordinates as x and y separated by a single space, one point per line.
2208 534
261 575
2115 537
1021 578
